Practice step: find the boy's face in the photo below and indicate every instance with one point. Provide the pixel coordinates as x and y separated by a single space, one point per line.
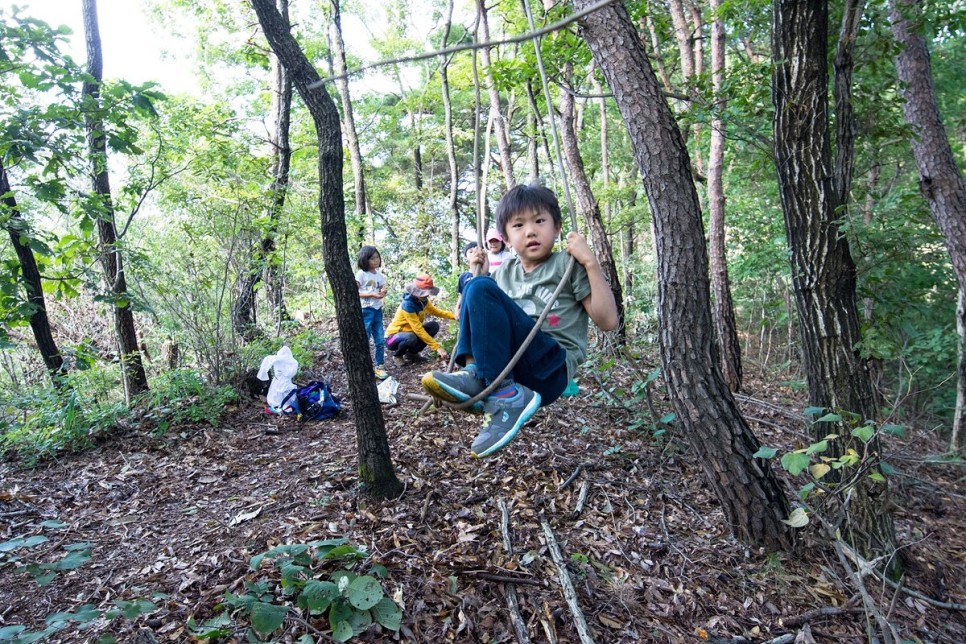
532 234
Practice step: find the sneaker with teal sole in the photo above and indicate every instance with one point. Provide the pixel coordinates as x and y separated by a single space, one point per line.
456 387
503 418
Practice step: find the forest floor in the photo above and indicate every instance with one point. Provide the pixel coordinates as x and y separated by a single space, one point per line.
649 553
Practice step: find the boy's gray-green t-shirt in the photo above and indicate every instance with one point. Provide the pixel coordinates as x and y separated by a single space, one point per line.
567 320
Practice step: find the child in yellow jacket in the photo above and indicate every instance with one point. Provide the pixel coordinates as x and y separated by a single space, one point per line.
408 333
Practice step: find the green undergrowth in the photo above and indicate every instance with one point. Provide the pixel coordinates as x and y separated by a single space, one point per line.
41 422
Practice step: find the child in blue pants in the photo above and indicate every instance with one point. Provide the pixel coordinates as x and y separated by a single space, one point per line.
498 311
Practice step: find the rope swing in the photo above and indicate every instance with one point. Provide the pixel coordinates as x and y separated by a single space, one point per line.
536 37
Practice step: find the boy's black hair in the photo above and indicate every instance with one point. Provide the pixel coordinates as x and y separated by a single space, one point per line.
470 246
521 197
365 254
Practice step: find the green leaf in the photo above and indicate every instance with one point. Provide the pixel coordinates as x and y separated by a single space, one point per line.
794 462
318 595
805 491
813 411
135 608
864 433
218 626
73 560
341 631
668 418
345 552
379 570
817 448
387 613
829 418
267 617
339 611
53 524
887 469
875 475
765 452
23 542
364 592
360 620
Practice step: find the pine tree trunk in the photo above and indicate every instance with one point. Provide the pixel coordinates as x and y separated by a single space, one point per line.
823 272
18 230
751 498
940 180
587 203
376 472
132 369
726 328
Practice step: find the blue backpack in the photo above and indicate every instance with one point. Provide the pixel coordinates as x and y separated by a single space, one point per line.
314 401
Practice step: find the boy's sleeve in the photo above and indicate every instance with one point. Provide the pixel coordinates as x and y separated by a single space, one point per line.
579 282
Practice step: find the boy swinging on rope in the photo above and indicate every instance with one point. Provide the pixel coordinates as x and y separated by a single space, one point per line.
498 312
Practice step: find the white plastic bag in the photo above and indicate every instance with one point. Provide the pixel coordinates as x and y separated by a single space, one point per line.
387 391
284 367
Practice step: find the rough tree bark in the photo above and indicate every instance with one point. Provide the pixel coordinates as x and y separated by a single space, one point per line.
132 369
587 202
17 228
750 495
726 328
940 179
376 471
823 272
263 262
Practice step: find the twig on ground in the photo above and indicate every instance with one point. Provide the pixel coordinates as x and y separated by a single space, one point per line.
519 626
572 478
566 584
581 499
505 527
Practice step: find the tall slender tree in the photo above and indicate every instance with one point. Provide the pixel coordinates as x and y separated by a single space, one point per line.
376 472
586 200
496 112
753 502
823 271
17 229
132 369
263 259
726 328
360 203
940 179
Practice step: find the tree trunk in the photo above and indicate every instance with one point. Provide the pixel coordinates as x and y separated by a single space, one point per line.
132 369
499 123
360 205
940 180
751 498
586 201
18 230
823 272
263 261
956 436
726 329
456 250
376 471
